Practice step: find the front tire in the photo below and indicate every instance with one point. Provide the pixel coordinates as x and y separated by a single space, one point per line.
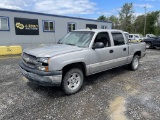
72 81
148 45
135 63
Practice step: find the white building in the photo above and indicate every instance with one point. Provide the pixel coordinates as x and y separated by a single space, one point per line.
31 28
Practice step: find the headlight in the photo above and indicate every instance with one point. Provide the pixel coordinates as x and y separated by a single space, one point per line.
43 66
43 60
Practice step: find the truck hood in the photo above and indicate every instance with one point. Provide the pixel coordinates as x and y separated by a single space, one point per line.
51 50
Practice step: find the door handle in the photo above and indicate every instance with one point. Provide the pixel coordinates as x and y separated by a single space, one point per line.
124 49
111 51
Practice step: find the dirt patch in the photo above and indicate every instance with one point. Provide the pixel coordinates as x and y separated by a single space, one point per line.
131 89
146 115
24 79
117 109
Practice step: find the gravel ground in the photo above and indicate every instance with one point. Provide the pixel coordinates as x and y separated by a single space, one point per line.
117 94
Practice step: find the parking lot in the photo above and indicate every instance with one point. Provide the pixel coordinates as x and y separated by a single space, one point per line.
117 94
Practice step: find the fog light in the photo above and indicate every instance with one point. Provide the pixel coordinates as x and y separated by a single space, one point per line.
41 68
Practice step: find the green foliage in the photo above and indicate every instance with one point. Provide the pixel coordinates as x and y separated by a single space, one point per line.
128 22
150 23
151 19
114 21
102 17
125 16
139 24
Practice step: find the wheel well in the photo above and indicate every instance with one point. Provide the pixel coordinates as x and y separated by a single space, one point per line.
149 42
79 65
138 53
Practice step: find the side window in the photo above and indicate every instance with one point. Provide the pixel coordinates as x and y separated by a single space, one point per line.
130 36
103 27
71 27
91 26
103 37
48 26
4 23
118 39
136 36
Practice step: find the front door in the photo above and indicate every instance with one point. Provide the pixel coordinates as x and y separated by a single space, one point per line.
101 59
157 42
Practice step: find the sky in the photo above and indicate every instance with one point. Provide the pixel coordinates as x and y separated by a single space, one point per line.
91 9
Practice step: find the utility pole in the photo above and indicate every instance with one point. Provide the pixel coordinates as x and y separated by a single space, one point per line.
145 8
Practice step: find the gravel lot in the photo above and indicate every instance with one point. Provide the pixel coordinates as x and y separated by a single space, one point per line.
117 94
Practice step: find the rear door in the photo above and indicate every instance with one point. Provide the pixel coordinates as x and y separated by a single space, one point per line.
120 49
157 42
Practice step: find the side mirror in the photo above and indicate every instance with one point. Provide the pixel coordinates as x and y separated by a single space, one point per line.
98 45
59 41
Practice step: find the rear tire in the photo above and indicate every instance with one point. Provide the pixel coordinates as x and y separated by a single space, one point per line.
72 81
135 63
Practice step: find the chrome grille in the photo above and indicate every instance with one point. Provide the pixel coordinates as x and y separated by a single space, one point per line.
29 60
28 64
29 56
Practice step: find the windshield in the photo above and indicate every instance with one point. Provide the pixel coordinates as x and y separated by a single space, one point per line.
151 35
141 36
77 38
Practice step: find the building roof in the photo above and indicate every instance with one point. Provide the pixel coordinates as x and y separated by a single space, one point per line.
100 30
45 14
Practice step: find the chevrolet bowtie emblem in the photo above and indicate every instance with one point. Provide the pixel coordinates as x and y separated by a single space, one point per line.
27 59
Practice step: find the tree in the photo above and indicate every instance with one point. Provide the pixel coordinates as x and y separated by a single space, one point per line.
114 20
102 17
125 16
157 24
139 24
152 25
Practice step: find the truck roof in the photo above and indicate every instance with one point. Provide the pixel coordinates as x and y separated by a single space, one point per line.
100 30
134 34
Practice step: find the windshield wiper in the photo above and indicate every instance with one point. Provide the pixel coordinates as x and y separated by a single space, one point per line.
59 42
70 44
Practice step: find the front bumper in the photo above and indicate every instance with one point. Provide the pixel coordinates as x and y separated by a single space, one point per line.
40 77
143 54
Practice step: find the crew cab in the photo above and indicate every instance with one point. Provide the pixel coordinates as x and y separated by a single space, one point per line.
78 54
152 42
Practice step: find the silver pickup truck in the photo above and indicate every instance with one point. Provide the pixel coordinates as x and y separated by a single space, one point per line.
78 54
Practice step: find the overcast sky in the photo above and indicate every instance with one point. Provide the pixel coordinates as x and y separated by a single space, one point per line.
80 8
